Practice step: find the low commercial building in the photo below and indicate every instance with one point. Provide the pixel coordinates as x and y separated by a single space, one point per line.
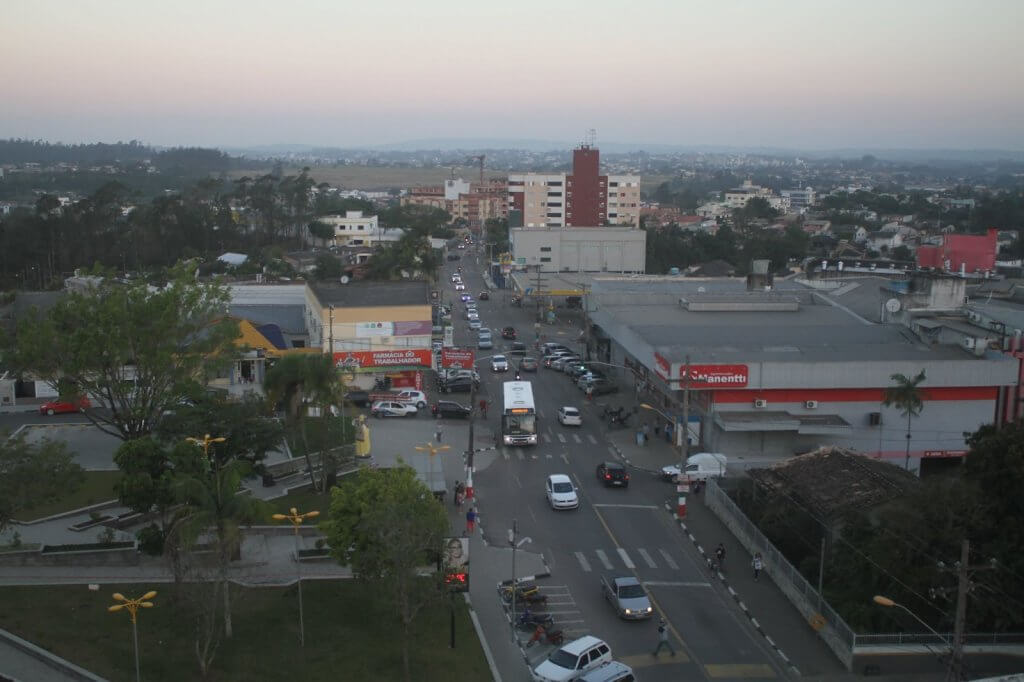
771 373
580 249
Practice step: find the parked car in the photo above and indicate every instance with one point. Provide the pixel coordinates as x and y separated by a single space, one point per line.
612 671
569 416
391 408
459 384
64 406
483 296
358 398
599 386
564 361
613 474
550 346
448 374
450 409
508 333
499 363
561 493
453 256
417 398
627 596
699 467
528 364
573 659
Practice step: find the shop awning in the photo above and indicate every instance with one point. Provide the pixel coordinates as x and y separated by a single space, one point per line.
817 424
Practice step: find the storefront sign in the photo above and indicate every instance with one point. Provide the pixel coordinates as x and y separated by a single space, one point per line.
356 359
457 358
662 366
365 329
714 376
934 454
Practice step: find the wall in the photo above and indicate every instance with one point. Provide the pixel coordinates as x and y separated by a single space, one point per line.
587 249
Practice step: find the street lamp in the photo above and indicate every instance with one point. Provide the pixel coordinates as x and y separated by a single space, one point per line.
889 603
205 442
132 606
296 520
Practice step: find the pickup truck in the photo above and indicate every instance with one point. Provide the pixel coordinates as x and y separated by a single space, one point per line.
627 595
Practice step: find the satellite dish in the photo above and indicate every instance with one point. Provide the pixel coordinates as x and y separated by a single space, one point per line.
344 279
893 305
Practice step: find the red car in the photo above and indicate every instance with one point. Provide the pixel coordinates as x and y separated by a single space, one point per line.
64 406
508 333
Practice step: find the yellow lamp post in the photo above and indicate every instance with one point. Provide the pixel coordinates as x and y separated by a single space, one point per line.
953 672
132 606
433 450
205 442
296 520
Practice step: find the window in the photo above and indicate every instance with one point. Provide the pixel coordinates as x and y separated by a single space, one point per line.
554 183
613 184
545 249
554 203
545 259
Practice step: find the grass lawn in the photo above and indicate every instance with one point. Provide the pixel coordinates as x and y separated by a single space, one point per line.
304 500
97 486
350 635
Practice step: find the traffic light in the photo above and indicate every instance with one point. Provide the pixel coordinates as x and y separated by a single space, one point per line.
457 582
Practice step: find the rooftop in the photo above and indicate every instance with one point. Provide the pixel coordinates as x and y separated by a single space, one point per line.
366 294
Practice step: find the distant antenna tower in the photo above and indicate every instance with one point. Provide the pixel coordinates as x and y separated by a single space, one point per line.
591 137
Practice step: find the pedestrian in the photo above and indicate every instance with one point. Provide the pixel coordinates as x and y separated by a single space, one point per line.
647 432
458 489
483 408
590 394
720 555
639 437
758 564
668 433
437 432
663 639
657 429
470 520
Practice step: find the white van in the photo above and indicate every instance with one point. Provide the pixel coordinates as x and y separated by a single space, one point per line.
699 467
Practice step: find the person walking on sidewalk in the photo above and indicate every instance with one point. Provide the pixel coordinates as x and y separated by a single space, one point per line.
483 408
647 432
437 432
458 494
663 639
720 556
470 520
758 564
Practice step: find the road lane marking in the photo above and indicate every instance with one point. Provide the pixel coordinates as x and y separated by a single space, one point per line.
576 437
593 440
504 453
549 456
739 670
564 458
519 454
669 560
561 438
626 506
547 438
613 451
625 558
604 559
670 583
646 557
584 564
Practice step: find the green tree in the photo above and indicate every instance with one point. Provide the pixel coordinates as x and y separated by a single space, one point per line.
211 492
327 267
386 525
137 350
33 474
905 395
300 381
321 230
148 480
496 232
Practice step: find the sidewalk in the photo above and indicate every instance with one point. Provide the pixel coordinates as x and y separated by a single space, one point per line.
769 610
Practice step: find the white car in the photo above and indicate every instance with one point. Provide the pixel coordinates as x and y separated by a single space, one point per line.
569 416
499 363
391 408
452 373
561 492
573 659
474 323
699 467
417 398
459 286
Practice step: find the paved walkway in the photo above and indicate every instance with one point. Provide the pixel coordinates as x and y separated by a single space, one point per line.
777 617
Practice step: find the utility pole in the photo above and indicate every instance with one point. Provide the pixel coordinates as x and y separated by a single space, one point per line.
685 448
512 541
469 449
956 671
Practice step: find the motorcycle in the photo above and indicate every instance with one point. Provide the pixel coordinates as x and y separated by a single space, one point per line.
548 635
528 620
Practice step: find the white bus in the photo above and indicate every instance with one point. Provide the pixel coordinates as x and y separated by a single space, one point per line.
519 415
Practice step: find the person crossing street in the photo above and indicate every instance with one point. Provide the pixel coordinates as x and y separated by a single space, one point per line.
663 640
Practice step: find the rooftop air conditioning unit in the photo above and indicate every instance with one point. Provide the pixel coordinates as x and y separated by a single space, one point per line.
760 403
811 404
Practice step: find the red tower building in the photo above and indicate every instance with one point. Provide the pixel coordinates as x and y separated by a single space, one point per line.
586 190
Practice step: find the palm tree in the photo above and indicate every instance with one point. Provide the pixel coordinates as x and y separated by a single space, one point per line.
300 381
211 492
906 396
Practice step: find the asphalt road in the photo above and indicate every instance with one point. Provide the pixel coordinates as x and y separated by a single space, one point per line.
614 532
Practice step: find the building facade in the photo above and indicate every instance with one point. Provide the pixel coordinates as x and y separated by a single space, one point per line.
580 249
352 228
583 198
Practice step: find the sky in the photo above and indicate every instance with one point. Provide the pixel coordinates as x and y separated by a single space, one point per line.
799 74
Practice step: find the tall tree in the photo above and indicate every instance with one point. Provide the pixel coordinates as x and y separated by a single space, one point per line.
386 525
136 349
905 395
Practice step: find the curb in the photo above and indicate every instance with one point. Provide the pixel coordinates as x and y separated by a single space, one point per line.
625 459
483 639
736 597
50 660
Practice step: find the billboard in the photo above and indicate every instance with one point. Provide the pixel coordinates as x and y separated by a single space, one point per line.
715 376
455 555
358 359
457 358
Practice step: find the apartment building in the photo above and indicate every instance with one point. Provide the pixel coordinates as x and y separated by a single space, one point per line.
583 198
473 202
353 227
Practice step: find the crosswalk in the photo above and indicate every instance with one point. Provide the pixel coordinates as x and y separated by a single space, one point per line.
622 558
562 438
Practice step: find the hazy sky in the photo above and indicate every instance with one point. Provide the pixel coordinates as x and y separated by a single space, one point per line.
808 74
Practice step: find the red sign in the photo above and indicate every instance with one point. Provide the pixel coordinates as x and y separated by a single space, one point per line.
715 376
457 358
662 367
356 359
944 453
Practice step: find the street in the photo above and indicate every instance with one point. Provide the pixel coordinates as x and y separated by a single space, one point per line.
615 531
